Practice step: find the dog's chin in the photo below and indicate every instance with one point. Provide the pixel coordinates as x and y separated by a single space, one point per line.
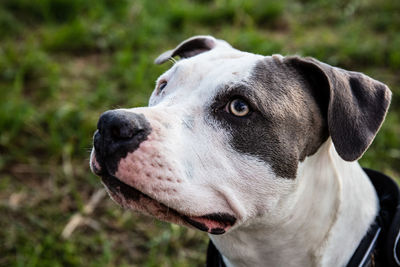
129 197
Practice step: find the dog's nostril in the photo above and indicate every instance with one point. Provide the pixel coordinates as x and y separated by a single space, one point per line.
123 129
115 132
121 132
124 132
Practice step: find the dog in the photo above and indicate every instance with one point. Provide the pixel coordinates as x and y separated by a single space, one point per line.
258 151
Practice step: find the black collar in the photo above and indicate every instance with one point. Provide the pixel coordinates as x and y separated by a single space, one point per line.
379 247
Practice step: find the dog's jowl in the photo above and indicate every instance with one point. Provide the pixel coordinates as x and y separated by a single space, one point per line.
258 151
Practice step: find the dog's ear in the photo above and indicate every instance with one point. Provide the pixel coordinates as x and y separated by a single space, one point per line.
189 48
354 104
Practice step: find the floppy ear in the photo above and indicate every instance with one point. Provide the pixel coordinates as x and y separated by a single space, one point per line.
354 104
189 48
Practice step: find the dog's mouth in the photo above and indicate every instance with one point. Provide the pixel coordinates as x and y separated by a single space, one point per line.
129 197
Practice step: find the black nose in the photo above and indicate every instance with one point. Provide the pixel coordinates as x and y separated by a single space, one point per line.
119 132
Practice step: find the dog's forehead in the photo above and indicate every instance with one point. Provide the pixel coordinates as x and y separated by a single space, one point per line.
219 61
207 73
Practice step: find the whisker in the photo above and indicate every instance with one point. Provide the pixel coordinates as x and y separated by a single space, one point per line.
172 60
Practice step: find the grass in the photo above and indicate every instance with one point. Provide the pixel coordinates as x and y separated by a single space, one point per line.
64 62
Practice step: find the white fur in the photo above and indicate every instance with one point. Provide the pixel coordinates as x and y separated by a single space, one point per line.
320 223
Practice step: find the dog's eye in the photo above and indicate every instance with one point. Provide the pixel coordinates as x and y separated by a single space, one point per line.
162 86
238 107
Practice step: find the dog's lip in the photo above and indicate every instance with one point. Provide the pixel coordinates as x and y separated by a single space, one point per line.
95 165
213 223
96 170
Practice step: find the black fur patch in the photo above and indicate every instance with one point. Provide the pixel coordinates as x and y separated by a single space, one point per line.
286 123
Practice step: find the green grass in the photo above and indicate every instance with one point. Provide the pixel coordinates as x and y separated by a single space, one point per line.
64 62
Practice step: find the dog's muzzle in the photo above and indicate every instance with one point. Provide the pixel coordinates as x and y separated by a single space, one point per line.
118 132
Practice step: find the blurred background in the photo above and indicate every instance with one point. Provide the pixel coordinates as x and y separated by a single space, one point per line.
64 62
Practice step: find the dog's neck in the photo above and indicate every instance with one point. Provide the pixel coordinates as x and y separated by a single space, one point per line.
320 224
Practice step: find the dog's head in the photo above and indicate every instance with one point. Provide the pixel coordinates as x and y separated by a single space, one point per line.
225 131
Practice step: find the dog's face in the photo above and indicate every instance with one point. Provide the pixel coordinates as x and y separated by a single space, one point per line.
225 131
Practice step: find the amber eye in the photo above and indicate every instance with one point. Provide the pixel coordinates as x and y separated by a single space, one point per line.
162 86
239 107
